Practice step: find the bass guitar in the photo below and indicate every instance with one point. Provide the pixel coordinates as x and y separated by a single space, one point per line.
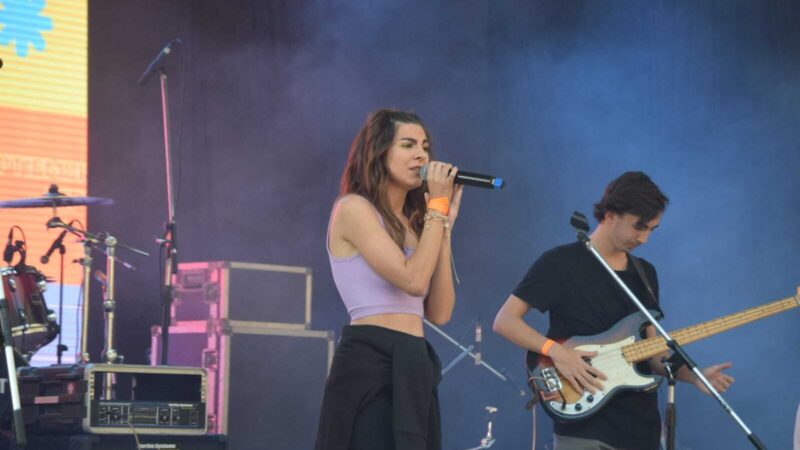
618 351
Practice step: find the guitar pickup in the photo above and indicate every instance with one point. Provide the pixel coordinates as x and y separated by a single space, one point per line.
552 383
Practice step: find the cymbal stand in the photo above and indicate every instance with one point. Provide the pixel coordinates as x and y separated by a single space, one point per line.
86 262
110 354
109 305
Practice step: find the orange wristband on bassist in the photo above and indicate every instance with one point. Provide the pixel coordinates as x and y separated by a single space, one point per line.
441 204
546 347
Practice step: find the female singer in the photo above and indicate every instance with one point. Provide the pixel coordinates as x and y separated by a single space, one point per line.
389 248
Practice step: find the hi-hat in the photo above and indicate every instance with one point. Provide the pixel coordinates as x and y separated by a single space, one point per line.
55 199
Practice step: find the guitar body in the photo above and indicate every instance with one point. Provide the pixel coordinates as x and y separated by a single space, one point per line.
572 405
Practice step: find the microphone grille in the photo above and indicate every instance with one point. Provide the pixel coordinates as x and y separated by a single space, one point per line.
423 172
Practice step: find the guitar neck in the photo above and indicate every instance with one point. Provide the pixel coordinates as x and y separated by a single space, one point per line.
648 348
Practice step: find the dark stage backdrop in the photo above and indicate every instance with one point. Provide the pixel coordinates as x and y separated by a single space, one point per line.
557 97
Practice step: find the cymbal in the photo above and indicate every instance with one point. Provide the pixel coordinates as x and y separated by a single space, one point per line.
55 199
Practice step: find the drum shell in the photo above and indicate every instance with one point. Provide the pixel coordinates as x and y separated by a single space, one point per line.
32 324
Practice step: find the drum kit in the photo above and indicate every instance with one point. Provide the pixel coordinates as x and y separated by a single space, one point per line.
31 323
26 323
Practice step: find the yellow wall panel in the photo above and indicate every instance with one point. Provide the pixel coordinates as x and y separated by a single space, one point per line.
43 117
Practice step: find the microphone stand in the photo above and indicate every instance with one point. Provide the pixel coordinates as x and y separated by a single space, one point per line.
109 301
671 366
169 241
502 374
581 225
60 348
489 439
58 244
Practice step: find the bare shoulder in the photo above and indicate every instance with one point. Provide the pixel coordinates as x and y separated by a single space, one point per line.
355 225
353 201
354 208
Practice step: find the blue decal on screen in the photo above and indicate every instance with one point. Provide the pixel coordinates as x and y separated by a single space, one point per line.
21 22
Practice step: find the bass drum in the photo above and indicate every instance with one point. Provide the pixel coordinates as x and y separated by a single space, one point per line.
32 325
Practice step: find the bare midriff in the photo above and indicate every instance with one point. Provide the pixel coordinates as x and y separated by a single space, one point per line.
404 323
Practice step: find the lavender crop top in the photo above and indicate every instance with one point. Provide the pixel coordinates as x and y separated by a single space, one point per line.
364 292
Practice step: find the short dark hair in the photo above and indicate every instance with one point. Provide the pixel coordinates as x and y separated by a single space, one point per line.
632 193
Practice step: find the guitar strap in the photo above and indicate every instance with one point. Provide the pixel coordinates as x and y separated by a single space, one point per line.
640 271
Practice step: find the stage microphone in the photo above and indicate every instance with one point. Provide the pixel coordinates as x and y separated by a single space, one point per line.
478 339
22 248
56 244
8 253
55 222
157 61
471 179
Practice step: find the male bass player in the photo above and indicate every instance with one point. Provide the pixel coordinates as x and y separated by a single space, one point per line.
583 300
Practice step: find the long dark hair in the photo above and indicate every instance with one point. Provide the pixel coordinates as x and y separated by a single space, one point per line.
366 173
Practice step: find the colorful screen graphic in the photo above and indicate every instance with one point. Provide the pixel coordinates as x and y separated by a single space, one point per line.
43 134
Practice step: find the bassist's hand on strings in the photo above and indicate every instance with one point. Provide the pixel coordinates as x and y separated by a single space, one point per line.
572 366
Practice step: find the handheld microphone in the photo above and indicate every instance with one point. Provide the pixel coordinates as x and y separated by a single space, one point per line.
478 339
58 243
471 179
157 61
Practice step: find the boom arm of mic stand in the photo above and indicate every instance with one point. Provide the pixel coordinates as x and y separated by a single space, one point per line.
482 362
91 237
671 343
458 358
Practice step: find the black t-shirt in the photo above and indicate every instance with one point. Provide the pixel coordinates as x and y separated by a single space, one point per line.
583 300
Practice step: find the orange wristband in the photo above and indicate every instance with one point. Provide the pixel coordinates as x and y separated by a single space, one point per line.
441 204
546 347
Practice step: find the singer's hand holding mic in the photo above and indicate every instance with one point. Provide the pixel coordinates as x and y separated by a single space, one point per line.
432 172
440 177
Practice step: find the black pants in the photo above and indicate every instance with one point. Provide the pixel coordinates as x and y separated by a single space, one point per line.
381 393
373 427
